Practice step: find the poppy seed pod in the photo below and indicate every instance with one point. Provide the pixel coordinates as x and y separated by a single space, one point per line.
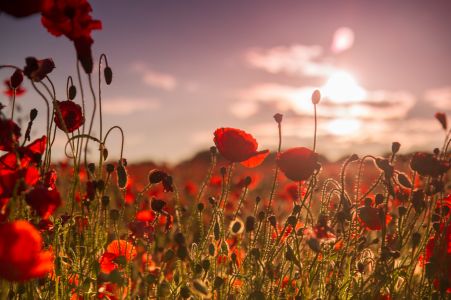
316 96
278 118
395 146
121 176
33 114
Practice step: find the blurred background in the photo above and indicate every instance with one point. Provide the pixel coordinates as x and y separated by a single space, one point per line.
184 68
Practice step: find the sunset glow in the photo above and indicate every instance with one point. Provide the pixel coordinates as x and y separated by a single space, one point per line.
341 87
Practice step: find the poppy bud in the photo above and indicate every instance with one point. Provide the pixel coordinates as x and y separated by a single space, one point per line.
436 151
353 157
72 92
404 180
223 171
416 238
379 199
200 207
247 181
33 114
156 176
91 167
211 249
250 224
168 255
110 168
185 292
105 201
441 117
105 153
316 97
218 282
255 252
157 205
114 214
278 117
292 220
163 289
395 146
206 264
216 231
213 150
314 244
108 74
257 199
121 176
16 79
272 220
261 216
182 252
212 201
402 210
236 227
289 255
296 209
179 238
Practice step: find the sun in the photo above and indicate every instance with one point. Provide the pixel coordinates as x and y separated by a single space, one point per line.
341 87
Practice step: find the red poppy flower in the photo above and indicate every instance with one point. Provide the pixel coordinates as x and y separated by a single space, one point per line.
71 114
427 164
9 134
13 169
9 91
116 249
238 146
71 18
371 217
438 252
20 8
298 163
21 255
37 69
43 200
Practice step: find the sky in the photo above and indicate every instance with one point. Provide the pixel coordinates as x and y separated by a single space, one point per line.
184 68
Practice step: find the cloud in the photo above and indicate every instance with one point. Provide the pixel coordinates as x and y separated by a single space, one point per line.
293 60
127 106
440 98
155 78
378 105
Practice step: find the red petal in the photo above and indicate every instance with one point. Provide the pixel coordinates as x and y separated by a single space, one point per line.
256 160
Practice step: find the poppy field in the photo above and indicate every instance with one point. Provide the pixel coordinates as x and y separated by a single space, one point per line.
234 222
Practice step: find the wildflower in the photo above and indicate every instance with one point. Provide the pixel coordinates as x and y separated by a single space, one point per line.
298 163
238 146
69 17
21 255
9 135
72 18
9 90
71 114
438 256
43 200
116 251
372 217
37 69
427 164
